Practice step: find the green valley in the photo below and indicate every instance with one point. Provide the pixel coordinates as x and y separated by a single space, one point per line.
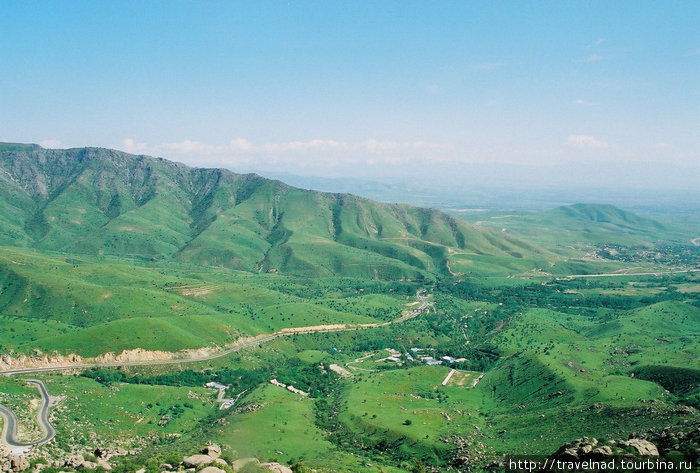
166 307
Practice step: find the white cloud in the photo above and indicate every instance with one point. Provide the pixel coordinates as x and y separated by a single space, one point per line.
380 147
374 146
586 142
131 146
193 147
50 143
582 102
596 43
314 154
242 146
300 146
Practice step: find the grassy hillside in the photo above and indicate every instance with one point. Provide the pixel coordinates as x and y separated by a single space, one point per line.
102 251
582 225
560 360
586 239
100 201
93 305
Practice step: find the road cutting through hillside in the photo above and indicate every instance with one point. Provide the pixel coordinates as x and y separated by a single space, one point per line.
10 425
241 344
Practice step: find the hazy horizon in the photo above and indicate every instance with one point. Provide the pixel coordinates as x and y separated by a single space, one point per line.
494 188
529 94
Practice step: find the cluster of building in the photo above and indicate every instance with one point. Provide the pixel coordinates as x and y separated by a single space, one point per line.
421 354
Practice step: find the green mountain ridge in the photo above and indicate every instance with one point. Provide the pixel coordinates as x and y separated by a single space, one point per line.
604 214
103 252
101 201
585 226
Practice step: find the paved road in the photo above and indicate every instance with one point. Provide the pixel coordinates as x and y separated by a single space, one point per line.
247 344
619 275
9 431
10 424
415 312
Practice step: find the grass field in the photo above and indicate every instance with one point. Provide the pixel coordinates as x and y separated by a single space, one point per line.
116 252
125 415
90 307
566 359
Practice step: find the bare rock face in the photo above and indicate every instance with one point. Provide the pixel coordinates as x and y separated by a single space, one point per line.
576 450
643 447
17 463
241 462
601 452
211 469
195 461
589 449
276 467
8 362
74 461
212 450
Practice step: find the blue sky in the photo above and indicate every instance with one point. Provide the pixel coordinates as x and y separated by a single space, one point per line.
368 89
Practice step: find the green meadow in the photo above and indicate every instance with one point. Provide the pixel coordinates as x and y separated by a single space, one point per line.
577 321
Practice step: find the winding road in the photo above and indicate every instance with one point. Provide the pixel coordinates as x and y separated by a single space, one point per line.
10 425
248 343
9 431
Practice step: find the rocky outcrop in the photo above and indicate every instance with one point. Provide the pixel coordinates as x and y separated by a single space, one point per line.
643 447
74 461
241 462
211 469
109 452
590 449
139 354
576 450
212 450
601 453
14 463
276 467
208 461
195 461
209 455
78 461
10 362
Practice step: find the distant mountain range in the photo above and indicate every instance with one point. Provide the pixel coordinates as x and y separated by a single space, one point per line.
587 225
102 201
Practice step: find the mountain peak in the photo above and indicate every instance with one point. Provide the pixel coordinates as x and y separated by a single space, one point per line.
102 201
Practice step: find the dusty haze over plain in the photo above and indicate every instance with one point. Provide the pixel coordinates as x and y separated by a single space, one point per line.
530 94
